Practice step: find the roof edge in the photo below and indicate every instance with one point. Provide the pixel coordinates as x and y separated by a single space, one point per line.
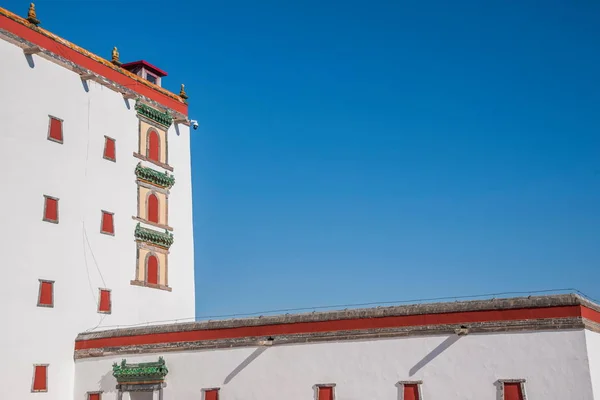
363 313
178 104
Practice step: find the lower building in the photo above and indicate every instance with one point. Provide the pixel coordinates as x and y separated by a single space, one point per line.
545 347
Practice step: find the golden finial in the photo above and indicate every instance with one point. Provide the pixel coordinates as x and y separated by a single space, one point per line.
115 57
31 17
182 92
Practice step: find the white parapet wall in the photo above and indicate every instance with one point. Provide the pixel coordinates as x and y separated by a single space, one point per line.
73 253
451 367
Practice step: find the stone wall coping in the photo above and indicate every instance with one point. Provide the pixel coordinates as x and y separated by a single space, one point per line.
560 300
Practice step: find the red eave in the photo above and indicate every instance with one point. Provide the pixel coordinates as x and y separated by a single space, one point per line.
146 65
81 57
342 325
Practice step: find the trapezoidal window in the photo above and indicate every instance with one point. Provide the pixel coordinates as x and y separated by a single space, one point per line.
325 392
152 269
46 294
110 151
40 378
411 390
55 129
513 390
50 209
211 394
105 303
153 150
107 225
94 396
152 208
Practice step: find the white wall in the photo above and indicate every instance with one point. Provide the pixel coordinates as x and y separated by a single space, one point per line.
452 368
592 340
76 173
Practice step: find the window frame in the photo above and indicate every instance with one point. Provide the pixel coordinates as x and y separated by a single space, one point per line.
217 389
520 381
33 390
401 385
46 197
98 392
325 385
114 141
42 281
102 231
62 129
156 77
100 311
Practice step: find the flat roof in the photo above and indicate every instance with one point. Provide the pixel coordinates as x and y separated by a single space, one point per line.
552 312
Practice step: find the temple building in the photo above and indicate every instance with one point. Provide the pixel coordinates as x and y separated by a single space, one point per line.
98 244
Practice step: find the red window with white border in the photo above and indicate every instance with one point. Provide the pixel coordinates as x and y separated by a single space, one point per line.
46 293
411 390
211 394
110 149
55 129
105 302
50 209
326 392
40 378
107 225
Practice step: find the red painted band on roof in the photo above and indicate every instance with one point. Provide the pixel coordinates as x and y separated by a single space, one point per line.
336 325
88 63
147 65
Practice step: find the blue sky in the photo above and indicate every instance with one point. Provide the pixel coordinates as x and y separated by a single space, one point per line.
357 152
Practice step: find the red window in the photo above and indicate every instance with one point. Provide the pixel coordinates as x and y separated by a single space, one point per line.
107 223
46 293
411 391
94 396
105 303
512 391
50 209
212 394
55 130
152 270
109 149
153 208
153 146
40 378
325 393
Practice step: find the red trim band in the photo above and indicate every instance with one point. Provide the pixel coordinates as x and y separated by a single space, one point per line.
84 61
337 325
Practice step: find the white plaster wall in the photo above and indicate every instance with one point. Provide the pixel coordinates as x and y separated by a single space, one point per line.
592 340
452 368
76 173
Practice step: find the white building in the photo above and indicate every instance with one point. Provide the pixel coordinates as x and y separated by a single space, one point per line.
98 233
91 149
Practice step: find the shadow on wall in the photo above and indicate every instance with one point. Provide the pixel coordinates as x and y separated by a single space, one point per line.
140 395
434 353
108 383
244 364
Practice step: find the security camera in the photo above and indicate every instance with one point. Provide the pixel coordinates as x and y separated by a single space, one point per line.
194 124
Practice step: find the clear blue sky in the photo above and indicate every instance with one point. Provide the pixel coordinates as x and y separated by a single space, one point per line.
381 150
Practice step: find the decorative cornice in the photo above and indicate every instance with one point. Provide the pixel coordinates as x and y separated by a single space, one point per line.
163 180
142 373
160 239
163 118
80 50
